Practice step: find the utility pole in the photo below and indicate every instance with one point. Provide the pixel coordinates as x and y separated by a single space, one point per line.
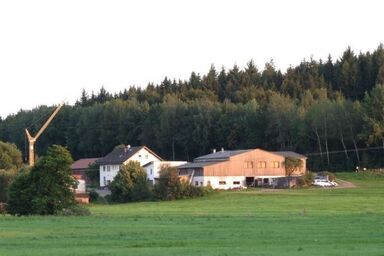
32 140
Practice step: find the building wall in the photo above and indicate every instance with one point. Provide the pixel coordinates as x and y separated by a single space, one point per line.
143 156
229 182
252 164
153 169
108 172
263 166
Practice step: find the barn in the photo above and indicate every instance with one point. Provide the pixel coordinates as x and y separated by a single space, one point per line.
228 169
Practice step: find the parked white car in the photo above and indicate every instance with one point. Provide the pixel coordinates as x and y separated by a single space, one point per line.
323 182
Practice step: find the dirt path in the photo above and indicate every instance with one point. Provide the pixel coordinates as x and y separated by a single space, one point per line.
344 184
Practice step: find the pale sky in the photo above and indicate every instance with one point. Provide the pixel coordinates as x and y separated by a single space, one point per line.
50 50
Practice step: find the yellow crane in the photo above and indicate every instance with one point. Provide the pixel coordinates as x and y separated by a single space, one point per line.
32 140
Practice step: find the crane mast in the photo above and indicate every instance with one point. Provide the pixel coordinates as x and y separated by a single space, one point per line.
32 139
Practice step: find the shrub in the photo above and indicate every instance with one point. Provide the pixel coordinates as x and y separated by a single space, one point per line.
93 196
6 178
308 178
189 190
47 189
3 208
20 196
10 156
74 210
168 187
10 163
130 184
108 199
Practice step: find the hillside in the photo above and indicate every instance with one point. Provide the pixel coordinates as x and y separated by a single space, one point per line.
332 109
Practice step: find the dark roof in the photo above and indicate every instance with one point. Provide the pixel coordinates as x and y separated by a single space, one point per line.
220 155
83 163
289 154
121 154
196 165
149 163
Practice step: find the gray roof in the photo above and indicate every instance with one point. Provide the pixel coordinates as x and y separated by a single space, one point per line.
196 165
121 154
220 155
289 154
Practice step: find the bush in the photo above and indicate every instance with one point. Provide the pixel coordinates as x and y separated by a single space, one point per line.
93 196
130 184
6 178
47 189
108 199
3 208
10 163
189 190
306 180
169 187
20 196
74 210
10 156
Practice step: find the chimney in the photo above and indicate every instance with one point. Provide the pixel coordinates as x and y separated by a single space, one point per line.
222 149
128 147
214 150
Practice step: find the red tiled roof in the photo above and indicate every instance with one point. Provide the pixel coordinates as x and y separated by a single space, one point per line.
83 163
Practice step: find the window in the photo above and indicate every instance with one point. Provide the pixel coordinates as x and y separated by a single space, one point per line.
105 181
201 183
222 182
150 171
236 183
248 164
275 164
139 156
108 168
261 164
146 156
103 168
196 183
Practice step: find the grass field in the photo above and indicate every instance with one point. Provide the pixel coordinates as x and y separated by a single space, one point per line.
251 222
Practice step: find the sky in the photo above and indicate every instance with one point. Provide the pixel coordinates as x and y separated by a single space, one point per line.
51 50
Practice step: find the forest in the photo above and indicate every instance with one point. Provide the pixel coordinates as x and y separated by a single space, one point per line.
330 110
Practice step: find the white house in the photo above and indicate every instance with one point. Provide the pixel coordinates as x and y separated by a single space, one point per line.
110 164
153 168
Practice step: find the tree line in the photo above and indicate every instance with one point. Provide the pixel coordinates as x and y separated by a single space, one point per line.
319 107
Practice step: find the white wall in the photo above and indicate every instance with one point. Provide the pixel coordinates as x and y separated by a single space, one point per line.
153 169
108 172
80 186
143 156
214 181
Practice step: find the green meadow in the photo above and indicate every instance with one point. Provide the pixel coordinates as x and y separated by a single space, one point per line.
311 221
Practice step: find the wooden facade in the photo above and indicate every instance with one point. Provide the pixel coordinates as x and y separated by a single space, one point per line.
232 169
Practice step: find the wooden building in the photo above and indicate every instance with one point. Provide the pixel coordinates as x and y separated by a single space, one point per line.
229 169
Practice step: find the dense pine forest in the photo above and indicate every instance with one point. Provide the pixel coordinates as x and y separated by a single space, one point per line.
330 110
